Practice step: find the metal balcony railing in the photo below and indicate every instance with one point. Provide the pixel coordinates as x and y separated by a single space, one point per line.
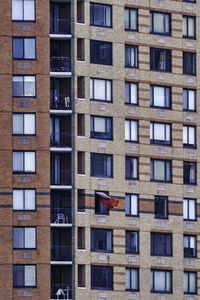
60 102
60 26
66 212
61 291
60 139
61 253
62 177
60 64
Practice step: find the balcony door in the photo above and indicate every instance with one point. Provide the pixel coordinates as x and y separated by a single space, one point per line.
55 131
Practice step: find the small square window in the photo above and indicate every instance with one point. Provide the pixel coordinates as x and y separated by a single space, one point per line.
160 96
161 244
23 162
132 242
100 14
100 52
131 19
101 240
24 124
24 199
131 56
160 23
131 93
190 245
101 165
23 48
160 133
24 276
24 238
24 86
160 59
189 136
100 89
161 281
23 10
189 172
189 209
132 167
189 63
161 170
189 27
131 205
101 127
189 100
101 277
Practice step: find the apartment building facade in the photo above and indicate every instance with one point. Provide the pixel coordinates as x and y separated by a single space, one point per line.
100 96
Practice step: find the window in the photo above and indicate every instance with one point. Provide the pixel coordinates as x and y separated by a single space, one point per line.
132 242
101 127
101 165
80 124
81 275
100 89
189 63
190 282
160 96
23 162
24 276
160 59
23 199
131 205
80 49
100 15
131 131
190 245
161 170
23 48
24 238
189 27
161 281
131 93
189 136
24 124
160 133
189 172
81 87
80 11
132 167
132 279
102 277
81 237
131 56
189 100
81 200
99 207
160 23
193 1
24 86
161 244
101 240
161 207
131 19
100 52
81 162
189 209
23 10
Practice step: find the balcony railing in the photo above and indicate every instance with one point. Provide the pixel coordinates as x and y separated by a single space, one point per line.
60 139
60 26
65 212
60 102
60 64
62 177
61 253
61 291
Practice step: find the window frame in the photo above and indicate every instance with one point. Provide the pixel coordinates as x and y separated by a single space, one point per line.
127 83
24 171
129 18
94 234
128 159
187 249
92 19
23 48
152 171
24 238
136 56
166 15
100 135
25 134
153 281
167 53
92 82
164 240
187 27
24 286
188 145
186 92
188 209
188 282
185 163
23 96
128 248
109 272
25 20
161 142
152 96
130 130
24 199
92 163
129 199
138 279
94 46
186 55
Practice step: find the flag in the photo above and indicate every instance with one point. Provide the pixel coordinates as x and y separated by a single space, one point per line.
108 201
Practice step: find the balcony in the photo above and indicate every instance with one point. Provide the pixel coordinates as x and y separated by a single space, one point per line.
61 169
60 102
60 139
61 280
60 26
61 253
61 291
65 213
60 177
60 64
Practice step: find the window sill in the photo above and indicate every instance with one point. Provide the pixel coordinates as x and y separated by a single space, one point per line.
102 26
160 33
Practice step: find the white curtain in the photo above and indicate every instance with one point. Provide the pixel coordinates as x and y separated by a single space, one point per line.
29 10
18 200
17 9
18 161
29 199
191 100
159 281
159 96
29 123
134 204
158 22
159 170
18 124
29 48
29 86
99 124
30 238
29 275
99 89
29 158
